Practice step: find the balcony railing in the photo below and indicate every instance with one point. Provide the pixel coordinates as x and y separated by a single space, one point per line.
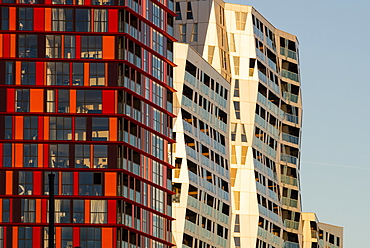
291 118
290 202
290 97
289 180
289 53
288 158
290 138
291 75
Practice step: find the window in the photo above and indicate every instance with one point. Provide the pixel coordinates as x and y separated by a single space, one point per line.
157 70
27 46
78 211
59 156
63 101
237 223
178 11
69 46
100 20
232 43
8 127
28 73
82 18
53 46
50 101
237 241
158 41
189 12
67 183
241 18
9 70
98 211
46 183
25 17
236 88
57 73
30 130
182 32
7 155
25 236
80 128
194 33
91 47
89 101
6 210
233 131
77 74
100 156
30 155
90 183
28 211
22 100
25 183
100 129
90 237
237 110
157 16
60 128
82 156
62 19
97 74
244 134
211 51
236 65
4 18
67 236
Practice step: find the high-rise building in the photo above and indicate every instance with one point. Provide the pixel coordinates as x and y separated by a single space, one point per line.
265 116
202 201
86 94
320 235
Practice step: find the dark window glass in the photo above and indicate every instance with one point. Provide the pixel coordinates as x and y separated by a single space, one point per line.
69 47
82 20
9 70
22 100
97 74
59 156
30 155
4 18
62 19
57 73
25 17
25 236
91 47
89 101
28 73
30 131
27 46
60 128
78 74
90 237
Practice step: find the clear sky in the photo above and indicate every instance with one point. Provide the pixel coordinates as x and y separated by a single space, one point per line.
334 41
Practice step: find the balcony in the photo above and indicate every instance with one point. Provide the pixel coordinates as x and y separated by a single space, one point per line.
289 53
291 75
288 158
290 97
291 224
289 180
291 118
290 202
290 245
291 138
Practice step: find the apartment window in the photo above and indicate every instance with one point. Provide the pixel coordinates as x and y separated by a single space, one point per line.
63 101
7 155
67 183
25 183
211 51
100 156
98 211
232 43
30 130
25 236
236 88
78 211
22 100
67 236
50 101
241 19
157 15
28 212
236 65
237 223
30 155
77 74
189 11
9 72
82 20
25 17
178 11
57 73
91 47
158 41
80 128
89 101
100 129
237 241
59 156
97 74
244 134
233 131
90 183
4 18
90 237
194 33
6 210
8 127
237 109
82 156
28 73
27 46
157 69
46 183
69 46
53 46
60 128
62 19
182 32
100 20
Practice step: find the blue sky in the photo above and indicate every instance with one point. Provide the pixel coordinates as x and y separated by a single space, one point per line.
335 59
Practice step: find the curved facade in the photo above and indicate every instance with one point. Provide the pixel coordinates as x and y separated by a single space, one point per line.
86 94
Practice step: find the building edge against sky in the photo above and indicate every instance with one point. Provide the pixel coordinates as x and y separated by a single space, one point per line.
262 64
86 93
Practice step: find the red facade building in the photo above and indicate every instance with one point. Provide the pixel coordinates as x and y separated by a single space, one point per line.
86 93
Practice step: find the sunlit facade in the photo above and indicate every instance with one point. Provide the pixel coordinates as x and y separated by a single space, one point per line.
86 93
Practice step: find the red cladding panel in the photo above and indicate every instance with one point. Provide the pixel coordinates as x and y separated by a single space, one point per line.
112 211
108 102
78 47
37 176
39 73
113 20
39 19
10 97
6 45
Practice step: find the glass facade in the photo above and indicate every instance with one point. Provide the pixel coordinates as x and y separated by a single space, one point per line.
86 94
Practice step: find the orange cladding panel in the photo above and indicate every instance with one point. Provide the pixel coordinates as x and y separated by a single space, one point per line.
36 100
107 237
9 182
110 183
19 127
108 47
